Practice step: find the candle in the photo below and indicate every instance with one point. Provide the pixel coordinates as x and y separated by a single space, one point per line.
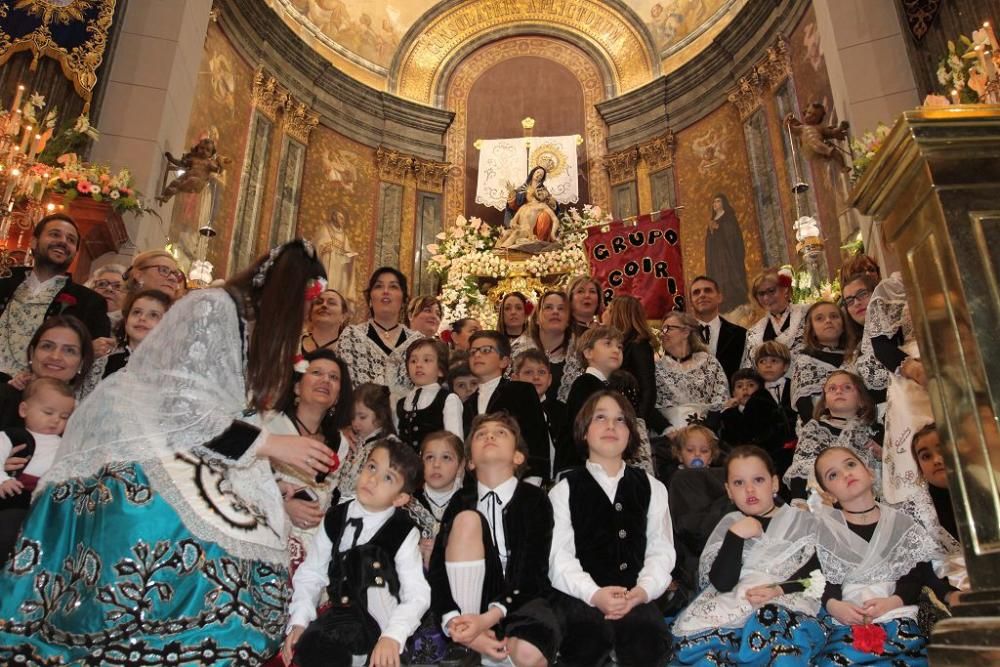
954 96
991 35
17 99
35 145
988 65
25 139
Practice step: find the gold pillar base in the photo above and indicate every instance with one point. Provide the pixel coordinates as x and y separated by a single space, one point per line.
972 637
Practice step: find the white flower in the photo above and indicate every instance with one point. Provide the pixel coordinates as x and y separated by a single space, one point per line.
815 584
114 194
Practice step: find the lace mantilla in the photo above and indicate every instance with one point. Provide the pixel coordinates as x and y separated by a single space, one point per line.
792 336
369 363
698 381
809 374
814 437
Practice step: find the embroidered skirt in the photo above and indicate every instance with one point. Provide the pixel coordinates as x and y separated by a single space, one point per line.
105 573
773 635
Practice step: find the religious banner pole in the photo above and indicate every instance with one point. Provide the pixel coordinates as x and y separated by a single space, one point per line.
528 125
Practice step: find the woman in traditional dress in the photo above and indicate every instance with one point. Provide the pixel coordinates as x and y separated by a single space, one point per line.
549 331
754 608
783 320
725 253
690 382
586 305
328 315
374 350
318 406
827 347
159 534
876 561
856 296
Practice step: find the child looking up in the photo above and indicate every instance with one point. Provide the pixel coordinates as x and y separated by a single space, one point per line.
612 545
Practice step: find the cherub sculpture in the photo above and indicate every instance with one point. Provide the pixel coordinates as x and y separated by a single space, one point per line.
818 140
198 164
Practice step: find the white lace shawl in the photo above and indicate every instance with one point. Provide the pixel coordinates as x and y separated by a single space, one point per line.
573 369
792 336
814 437
871 370
369 362
786 545
899 544
809 374
523 343
183 387
699 382
887 310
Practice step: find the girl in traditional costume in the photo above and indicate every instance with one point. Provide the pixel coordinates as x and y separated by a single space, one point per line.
828 347
783 321
159 534
845 417
761 594
876 561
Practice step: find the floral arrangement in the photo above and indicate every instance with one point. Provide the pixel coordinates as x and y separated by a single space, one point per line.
961 71
72 179
465 254
806 290
866 148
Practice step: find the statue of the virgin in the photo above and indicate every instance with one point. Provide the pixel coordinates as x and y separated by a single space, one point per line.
531 208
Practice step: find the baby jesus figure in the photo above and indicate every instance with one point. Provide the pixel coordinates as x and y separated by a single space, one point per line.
817 140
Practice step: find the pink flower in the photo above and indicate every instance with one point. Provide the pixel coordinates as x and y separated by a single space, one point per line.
105 190
84 188
936 101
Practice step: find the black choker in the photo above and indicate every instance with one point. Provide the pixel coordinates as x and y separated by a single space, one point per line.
387 330
870 509
681 360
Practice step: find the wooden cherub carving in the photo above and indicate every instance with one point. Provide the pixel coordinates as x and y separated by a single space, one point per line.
198 164
817 140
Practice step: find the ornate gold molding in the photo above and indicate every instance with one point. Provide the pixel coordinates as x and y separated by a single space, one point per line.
430 174
299 121
79 59
267 95
766 75
272 99
392 165
659 153
621 165
617 36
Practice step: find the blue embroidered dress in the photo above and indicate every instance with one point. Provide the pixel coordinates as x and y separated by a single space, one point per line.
157 537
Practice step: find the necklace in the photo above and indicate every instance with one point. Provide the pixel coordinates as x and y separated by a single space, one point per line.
386 329
302 427
870 509
324 345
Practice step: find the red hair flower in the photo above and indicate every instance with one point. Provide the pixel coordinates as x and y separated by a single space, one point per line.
446 336
314 288
785 277
869 638
529 308
299 363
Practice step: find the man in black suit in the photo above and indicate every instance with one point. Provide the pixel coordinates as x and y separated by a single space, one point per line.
724 339
489 356
33 294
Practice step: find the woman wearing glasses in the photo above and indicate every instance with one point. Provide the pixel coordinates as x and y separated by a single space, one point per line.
856 294
155 269
783 320
108 282
690 382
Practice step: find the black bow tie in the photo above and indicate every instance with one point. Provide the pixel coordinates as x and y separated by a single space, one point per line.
358 523
494 499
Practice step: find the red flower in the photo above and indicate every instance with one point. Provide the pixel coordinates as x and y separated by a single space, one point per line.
66 299
314 288
868 638
446 336
528 308
335 463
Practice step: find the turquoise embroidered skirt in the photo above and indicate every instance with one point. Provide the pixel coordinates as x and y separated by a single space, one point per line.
105 573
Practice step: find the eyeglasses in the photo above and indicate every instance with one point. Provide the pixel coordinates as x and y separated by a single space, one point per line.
165 271
483 349
674 327
860 295
108 285
770 291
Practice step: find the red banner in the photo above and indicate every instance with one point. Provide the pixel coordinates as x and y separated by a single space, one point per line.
641 258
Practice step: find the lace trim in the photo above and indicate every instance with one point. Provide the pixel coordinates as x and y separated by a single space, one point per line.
809 374
700 381
792 336
814 437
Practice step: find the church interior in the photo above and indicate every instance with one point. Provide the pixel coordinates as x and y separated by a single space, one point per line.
677 138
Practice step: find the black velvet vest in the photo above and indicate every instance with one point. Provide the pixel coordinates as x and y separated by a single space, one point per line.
610 537
415 425
370 564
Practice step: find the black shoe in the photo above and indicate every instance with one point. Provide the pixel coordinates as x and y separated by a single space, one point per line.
460 656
